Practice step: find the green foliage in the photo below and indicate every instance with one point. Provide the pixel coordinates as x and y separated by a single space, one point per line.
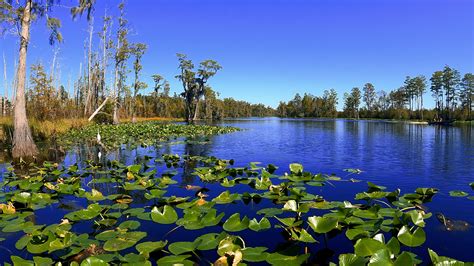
136 134
119 234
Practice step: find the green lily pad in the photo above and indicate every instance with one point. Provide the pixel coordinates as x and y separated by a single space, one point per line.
261 225
93 261
149 247
226 198
166 216
458 193
178 248
351 260
296 168
367 247
209 241
322 225
123 241
234 224
256 254
281 259
175 260
415 239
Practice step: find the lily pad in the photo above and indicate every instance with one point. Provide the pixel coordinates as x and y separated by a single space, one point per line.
411 239
322 225
165 216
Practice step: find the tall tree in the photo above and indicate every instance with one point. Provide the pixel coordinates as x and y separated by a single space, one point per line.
194 84
188 79
369 96
451 80
436 89
352 103
138 50
419 87
467 94
21 14
207 69
122 54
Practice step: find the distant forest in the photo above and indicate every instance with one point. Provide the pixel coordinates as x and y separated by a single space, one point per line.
453 97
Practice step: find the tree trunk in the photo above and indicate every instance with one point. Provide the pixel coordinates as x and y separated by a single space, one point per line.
88 103
421 101
5 84
196 111
23 144
116 119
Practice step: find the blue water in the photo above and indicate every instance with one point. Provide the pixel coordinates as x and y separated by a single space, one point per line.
395 155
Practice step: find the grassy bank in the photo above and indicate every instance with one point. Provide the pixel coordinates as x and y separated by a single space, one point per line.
46 130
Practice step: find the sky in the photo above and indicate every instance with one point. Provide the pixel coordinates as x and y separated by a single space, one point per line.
270 50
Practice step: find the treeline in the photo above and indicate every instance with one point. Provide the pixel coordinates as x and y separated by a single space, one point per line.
46 102
110 55
453 96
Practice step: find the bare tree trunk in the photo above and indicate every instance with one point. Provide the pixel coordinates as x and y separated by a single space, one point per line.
23 144
87 104
196 111
116 119
98 109
421 101
5 84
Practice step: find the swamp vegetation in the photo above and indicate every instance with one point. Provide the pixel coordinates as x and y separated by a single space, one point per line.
101 212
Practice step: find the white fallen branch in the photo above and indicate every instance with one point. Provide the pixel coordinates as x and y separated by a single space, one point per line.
98 109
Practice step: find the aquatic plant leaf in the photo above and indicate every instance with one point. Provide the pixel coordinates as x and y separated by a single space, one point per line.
404 259
291 205
281 259
417 218
367 247
458 193
374 187
123 241
256 254
94 195
209 241
407 238
175 260
40 261
440 260
270 212
351 260
93 261
393 246
305 237
261 225
356 233
322 225
149 247
234 224
166 216
20 261
129 225
296 168
380 258
178 248
229 244
226 198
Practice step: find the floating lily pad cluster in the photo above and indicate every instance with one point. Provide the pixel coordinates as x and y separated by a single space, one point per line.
115 201
139 134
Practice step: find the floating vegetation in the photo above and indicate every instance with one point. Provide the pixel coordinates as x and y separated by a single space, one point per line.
140 134
129 214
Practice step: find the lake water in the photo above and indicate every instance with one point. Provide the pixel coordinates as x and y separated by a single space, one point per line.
395 155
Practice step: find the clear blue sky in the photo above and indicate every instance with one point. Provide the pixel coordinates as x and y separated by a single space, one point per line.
271 50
